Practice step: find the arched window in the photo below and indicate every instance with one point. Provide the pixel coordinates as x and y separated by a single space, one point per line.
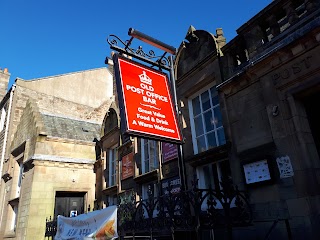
111 121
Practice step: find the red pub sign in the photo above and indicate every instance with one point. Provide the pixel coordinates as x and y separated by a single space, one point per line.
145 101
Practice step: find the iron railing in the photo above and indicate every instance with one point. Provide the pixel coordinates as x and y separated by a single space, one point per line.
190 211
193 210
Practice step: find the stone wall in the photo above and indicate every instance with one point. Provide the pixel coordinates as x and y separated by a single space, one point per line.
90 88
48 178
4 80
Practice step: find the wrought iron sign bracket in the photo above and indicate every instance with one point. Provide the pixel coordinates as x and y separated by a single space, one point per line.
124 47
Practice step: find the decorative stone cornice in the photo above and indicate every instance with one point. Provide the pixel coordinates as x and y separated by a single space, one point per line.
52 158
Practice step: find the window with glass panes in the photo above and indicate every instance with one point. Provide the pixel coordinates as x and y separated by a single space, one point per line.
149 155
112 171
206 121
210 176
2 119
113 200
152 189
15 209
21 166
149 188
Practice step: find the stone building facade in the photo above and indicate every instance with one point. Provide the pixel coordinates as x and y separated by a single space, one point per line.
53 125
206 147
249 114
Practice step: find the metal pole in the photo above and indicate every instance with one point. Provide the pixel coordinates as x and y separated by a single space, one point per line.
152 41
180 150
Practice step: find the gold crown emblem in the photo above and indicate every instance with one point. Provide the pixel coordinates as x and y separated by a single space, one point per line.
145 79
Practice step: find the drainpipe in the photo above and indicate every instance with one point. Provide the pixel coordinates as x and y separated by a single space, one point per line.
5 144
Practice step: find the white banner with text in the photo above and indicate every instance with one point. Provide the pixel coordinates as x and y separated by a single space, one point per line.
99 224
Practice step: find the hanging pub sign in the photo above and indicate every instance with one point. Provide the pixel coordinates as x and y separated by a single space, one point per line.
146 106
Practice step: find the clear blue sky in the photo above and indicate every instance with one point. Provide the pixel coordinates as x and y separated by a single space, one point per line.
41 38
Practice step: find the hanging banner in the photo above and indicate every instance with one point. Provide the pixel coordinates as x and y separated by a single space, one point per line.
145 101
100 224
127 166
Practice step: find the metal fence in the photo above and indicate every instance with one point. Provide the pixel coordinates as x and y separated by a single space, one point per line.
187 212
51 227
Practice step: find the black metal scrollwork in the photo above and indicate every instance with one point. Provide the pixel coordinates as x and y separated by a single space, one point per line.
188 210
150 56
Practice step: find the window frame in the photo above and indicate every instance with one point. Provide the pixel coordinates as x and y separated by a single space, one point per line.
218 177
3 118
145 158
20 177
112 200
145 197
192 117
145 188
14 219
112 165
218 171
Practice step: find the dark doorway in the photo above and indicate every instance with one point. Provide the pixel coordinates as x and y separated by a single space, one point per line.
311 104
69 203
